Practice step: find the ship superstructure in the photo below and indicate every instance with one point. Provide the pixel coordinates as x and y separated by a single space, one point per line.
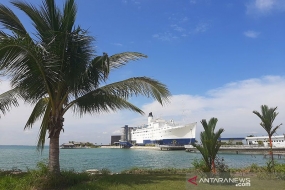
159 131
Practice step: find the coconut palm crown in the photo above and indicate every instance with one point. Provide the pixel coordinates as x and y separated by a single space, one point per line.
57 69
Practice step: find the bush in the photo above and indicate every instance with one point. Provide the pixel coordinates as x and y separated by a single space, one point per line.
105 171
199 164
221 165
41 178
255 168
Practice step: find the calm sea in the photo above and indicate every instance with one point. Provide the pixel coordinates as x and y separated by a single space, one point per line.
116 160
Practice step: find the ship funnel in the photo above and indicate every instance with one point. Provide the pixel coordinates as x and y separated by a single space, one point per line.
149 118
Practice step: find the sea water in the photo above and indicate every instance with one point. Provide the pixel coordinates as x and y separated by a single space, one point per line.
116 160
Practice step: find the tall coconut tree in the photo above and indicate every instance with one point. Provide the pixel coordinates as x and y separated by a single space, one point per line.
210 143
56 69
267 117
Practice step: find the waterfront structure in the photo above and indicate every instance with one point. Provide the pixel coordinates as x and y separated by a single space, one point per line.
161 132
232 140
115 139
277 141
75 145
253 145
67 145
125 141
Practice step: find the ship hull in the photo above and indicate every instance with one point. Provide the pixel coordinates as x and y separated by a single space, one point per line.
169 141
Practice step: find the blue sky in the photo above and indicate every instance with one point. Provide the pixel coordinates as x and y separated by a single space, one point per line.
218 58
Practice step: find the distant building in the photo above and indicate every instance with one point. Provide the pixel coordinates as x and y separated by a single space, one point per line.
277 141
115 139
232 140
67 145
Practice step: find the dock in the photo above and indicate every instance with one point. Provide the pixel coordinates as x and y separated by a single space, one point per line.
171 147
243 149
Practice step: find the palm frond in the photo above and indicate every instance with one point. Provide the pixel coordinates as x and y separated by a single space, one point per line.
100 101
273 131
30 70
40 22
76 71
69 15
10 21
52 14
120 59
139 86
37 112
259 115
8 99
44 128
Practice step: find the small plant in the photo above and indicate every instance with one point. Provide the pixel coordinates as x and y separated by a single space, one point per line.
254 168
105 171
199 164
221 165
260 143
270 166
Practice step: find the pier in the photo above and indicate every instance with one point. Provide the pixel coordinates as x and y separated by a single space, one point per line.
243 149
171 147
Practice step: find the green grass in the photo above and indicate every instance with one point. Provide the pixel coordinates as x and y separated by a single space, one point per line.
135 178
135 181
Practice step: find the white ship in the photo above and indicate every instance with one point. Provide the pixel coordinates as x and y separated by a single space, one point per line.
159 131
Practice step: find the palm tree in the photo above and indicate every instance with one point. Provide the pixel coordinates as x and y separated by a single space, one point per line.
267 117
57 69
210 143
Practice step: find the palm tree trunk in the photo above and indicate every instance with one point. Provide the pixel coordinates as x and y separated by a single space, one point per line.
213 166
271 151
54 154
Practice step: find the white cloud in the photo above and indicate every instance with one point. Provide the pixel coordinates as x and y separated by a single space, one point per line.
177 28
117 132
251 34
185 19
176 31
131 1
117 44
264 7
166 36
200 28
232 104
